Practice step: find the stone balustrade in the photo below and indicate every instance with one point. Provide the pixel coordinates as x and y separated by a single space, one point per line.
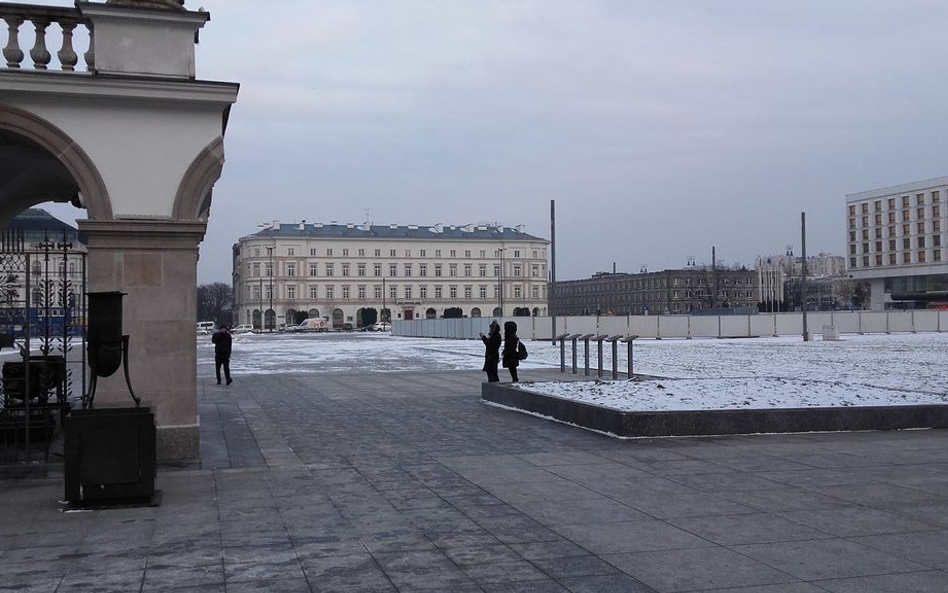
41 17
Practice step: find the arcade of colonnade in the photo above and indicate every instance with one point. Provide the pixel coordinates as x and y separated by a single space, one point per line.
129 134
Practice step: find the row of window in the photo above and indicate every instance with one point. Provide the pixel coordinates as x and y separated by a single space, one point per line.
360 252
921 242
891 218
361 270
891 230
908 257
905 202
582 287
661 296
253 292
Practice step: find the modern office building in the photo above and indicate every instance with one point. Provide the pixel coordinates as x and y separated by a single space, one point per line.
357 274
896 242
687 290
779 282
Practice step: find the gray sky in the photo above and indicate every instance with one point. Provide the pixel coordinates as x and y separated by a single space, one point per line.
660 128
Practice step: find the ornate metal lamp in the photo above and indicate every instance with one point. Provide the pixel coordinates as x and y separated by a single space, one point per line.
107 346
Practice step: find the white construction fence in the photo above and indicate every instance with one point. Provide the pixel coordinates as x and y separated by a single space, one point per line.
686 326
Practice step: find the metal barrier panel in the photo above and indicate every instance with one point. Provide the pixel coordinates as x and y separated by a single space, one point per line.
762 325
815 320
734 326
789 324
900 321
645 326
925 320
943 321
873 322
614 325
704 326
847 322
673 326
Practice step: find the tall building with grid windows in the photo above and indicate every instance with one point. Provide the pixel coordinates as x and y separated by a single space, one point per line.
351 274
896 242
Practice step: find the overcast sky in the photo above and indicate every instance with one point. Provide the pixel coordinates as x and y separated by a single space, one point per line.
660 128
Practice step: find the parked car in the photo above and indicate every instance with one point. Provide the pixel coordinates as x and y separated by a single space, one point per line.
242 329
311 325
382 326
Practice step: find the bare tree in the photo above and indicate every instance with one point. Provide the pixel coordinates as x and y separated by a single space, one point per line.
214 302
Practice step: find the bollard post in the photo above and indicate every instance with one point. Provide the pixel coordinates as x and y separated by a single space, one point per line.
586 351
628 342
599 340
562 340
573 340
615 360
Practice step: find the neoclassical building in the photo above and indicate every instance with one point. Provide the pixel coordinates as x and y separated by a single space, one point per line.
355 274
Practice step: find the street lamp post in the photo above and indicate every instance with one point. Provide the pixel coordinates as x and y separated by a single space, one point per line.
382 312
270 256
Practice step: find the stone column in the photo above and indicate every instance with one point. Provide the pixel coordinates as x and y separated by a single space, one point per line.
155 263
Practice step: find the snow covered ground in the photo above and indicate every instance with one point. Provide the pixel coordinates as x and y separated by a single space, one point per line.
699 374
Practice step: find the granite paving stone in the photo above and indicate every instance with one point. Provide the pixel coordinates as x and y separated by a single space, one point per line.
404 482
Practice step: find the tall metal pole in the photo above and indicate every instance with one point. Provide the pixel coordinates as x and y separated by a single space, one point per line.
501 280
382 314
806 331
551 293
714 277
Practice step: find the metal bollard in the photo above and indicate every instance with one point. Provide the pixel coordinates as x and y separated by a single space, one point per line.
615 357
599 340
562 339
586 351
628 342
573 340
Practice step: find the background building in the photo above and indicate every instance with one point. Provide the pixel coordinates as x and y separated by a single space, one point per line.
779 280
358 274
896 239
688 290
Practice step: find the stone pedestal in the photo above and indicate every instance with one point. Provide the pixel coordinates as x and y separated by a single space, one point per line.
155 263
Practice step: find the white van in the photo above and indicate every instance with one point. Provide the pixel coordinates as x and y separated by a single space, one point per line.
205 327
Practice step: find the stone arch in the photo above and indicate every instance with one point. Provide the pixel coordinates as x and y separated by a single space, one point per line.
193 200
93 194
475 312
430 313
497 312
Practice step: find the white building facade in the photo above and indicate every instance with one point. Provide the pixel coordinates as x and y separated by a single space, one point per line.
896 241
353 275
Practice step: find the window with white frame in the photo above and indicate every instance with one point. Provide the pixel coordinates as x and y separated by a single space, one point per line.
329 252
423 292
360 270
290 269
437 270
482 291
438 292
453 292
453 270
517 292
423 270
482 270
408 292
330 271
290 251
345 291
290 292
361 293
313 270
407 269
256 269
377 292
393 270
393 292
314 292
468 270
268 269
377 270
468 292
345 269
330 292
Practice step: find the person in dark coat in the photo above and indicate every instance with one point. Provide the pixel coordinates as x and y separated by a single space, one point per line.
491 351
511 356
222 347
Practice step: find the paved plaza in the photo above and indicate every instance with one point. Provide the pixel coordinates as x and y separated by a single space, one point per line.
385 482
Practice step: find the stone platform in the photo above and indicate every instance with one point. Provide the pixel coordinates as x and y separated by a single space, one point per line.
632 424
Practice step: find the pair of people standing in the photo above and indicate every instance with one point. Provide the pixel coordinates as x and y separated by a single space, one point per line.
511 352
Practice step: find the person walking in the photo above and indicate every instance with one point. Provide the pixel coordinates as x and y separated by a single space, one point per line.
511 356
222 347
491 351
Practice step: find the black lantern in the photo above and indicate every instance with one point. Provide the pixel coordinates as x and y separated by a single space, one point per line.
107 346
